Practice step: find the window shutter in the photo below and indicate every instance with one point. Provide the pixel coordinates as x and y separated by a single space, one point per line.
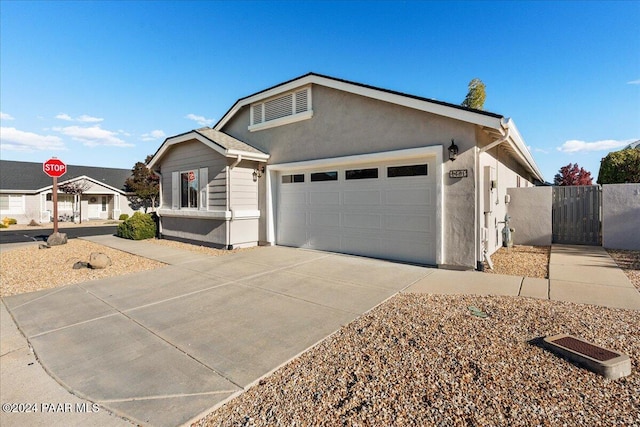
204 188
175 190
256 112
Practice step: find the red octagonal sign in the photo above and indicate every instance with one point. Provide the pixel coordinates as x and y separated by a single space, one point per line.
54 168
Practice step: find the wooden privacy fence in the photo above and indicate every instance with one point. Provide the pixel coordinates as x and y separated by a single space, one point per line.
576 215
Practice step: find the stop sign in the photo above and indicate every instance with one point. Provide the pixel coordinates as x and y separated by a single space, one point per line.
54 168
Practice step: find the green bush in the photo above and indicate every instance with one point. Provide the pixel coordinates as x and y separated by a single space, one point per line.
3 226
140 226
123 217
9 221
620 167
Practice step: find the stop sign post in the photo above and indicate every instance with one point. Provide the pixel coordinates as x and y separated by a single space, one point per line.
55 168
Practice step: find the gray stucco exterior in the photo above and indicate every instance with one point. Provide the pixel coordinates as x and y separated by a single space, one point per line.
621 216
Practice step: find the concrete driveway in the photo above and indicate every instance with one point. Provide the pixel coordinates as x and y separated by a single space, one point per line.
164 346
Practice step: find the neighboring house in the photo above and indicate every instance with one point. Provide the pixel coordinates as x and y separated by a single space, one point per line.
323 163
26 192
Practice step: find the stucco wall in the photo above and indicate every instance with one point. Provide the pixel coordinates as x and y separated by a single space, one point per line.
530 211
621 216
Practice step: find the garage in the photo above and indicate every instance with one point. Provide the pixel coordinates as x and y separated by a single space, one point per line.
383 210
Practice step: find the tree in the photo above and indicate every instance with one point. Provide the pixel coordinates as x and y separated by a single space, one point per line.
620 167
572 174
77 188
144 184
476 95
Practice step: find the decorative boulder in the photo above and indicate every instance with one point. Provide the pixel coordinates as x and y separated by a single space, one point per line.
98 260
80 264
57 239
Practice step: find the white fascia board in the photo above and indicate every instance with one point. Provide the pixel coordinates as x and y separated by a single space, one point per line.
217 148
184 138
394 98
247 155
20 192
384 156
519 146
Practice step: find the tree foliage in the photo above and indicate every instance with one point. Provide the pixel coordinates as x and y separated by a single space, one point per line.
144 184
620 167
76 188
572 174
476 95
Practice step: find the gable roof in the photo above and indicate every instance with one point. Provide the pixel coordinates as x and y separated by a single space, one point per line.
458 112
495 125
222 143
28 177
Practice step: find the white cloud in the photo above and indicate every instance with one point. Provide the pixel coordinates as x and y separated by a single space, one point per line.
93 136
16 140
201 120
634 82
575 146
537 150
88 119
83 118
63 116
5 116
153 135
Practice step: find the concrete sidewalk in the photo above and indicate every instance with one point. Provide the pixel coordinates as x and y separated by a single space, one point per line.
578 274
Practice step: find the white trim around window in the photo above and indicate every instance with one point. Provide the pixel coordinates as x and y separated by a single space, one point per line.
282 109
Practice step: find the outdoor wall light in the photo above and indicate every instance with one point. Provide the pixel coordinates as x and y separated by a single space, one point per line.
453 151
257 173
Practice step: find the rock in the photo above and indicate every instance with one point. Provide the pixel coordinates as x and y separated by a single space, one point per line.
43 246
98 260
57 239
80 264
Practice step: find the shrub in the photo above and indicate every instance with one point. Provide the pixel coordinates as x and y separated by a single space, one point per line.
140 226
3 226
123 217
9 221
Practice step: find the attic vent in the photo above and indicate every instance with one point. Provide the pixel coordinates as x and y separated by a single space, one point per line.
279 107
301 101
287 108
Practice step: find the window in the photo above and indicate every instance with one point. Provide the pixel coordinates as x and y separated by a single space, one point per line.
11 203
65 201
411 170
104 203
361 173
324 176
287 108
288 179
189 189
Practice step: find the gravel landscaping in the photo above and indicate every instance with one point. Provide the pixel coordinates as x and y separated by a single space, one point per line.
629 262
31 269
521 260
427 360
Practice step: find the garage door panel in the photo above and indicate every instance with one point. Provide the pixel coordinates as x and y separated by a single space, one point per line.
371 246
293 198
413 197
413 223
320 239
324 219
362 220
362 197
324 198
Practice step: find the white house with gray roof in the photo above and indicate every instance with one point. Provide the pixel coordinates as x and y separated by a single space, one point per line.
26 192
324 163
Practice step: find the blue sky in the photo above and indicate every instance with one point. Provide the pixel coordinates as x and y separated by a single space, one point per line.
103 83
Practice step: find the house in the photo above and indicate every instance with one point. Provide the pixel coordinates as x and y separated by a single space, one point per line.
26 192
324 163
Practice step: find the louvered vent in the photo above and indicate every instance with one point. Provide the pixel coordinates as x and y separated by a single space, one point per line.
256 110
301 101
279 107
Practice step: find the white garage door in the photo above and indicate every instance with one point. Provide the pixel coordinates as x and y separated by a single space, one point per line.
379 210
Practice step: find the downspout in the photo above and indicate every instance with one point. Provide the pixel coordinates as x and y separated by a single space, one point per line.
228 186
482 247
160 200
